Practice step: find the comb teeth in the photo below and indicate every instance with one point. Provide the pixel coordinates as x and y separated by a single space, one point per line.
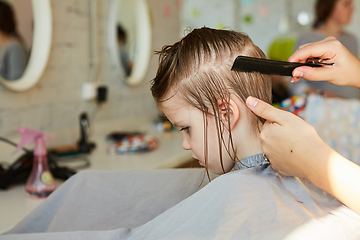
265 66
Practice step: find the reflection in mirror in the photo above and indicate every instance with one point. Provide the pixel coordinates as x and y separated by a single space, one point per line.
36 37
129 38
125 50
13 51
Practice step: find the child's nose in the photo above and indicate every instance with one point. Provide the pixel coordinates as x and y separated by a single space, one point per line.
186 144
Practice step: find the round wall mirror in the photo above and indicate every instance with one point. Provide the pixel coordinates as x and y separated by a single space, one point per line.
129 39
34 26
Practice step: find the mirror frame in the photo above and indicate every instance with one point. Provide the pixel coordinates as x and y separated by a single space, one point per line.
40 49
143 42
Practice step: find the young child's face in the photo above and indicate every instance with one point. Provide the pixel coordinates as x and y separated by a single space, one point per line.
191 123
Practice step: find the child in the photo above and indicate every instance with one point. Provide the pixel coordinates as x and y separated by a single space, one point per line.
197 91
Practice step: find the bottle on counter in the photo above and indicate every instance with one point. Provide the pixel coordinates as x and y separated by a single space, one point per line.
40 182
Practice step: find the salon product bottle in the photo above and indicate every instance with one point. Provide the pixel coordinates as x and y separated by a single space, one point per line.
40 182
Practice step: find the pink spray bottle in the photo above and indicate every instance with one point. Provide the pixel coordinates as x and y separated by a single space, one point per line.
40 183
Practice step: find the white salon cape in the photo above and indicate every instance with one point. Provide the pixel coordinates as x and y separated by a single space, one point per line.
251 203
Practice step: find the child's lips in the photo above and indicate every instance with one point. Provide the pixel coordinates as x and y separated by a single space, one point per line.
200 162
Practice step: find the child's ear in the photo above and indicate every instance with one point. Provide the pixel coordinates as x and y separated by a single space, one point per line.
233 114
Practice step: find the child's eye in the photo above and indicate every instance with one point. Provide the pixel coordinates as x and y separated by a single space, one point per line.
187 129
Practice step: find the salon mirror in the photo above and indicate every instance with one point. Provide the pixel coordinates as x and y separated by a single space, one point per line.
129 39
38 47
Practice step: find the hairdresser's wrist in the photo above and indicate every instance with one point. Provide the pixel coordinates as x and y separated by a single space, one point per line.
340 177
317 168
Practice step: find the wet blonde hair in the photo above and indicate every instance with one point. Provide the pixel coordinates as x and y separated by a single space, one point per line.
198 68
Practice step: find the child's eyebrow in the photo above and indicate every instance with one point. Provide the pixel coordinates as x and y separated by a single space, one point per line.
176 125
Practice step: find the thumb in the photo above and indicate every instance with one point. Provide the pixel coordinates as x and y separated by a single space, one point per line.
264 110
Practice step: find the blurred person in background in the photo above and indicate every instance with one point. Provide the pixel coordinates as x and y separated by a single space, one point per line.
13 55
331 16
123 53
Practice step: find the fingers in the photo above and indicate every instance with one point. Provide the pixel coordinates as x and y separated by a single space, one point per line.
321 49
264 110
327 49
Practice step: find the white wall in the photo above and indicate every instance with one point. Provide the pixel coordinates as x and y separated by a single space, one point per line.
262 20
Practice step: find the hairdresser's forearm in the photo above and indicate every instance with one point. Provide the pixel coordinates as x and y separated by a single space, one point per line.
338 176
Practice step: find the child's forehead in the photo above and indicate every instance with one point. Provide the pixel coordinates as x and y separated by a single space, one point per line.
172 103
176 111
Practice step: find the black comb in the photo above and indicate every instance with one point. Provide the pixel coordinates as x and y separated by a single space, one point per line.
272 67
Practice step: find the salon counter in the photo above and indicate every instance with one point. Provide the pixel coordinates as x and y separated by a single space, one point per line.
15 205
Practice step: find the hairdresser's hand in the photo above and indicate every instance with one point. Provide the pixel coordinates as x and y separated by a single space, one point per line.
290 143
294 149
344 72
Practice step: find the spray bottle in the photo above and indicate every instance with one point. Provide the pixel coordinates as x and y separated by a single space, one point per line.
40 183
